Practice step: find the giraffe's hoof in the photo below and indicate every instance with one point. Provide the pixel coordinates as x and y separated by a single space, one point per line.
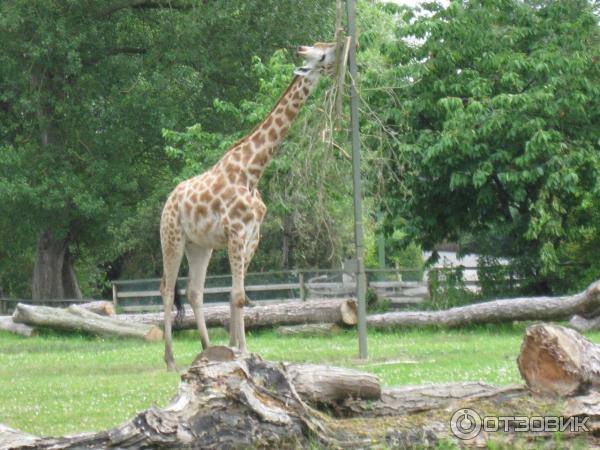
171 367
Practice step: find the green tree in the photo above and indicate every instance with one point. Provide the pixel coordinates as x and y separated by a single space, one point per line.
495 129
86 88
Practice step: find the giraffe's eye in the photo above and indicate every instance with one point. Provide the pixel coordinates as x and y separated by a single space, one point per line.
322 58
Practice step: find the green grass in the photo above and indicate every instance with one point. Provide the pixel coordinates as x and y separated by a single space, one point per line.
55 384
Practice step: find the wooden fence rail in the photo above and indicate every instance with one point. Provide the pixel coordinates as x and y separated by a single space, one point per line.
136 295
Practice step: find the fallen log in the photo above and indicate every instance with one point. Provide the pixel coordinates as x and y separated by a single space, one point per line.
329 385
582 324
102 307
407 400
339 311
558 360
8 324
246 402
526 308
75 318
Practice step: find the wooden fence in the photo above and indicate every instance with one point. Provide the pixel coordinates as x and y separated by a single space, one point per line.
402 286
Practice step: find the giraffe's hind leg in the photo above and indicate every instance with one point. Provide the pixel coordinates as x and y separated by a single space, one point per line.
236 247
172 255
198 259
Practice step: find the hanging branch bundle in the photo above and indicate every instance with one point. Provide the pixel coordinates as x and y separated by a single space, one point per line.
335 95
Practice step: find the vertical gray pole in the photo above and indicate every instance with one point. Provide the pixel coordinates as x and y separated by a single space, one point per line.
381 247
361 279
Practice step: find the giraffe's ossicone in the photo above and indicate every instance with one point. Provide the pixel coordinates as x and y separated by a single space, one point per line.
222 207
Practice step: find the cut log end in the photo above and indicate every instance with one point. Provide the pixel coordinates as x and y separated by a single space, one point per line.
349 312
558 361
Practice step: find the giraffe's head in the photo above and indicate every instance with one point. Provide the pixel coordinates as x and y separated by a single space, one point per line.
320 58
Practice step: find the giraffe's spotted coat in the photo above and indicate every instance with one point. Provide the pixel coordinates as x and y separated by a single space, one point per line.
223 208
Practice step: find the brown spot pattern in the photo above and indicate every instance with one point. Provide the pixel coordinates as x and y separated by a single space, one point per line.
258 139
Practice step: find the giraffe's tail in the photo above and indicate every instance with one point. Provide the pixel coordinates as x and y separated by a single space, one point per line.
179 305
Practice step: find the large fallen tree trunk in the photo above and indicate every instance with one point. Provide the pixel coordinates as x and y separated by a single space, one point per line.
527 308
226 400
75 318
558 360
8 324
339 311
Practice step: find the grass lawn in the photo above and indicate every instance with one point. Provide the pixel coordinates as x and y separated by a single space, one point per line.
55 384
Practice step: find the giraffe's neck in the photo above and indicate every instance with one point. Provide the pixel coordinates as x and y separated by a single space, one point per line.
256 150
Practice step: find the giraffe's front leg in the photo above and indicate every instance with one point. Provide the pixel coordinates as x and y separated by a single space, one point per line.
249 253
236 249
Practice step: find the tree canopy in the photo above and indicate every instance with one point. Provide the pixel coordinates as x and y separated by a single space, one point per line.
496 130
86 88
479 124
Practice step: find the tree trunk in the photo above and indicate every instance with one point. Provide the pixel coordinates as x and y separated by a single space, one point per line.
69 278
529 308
75 318
339 311
558 360
53 274
8 324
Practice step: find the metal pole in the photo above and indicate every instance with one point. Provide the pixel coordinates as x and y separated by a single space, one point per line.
361 279
381 247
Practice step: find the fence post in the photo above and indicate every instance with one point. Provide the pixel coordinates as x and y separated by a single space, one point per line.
114 292
302 286
398 273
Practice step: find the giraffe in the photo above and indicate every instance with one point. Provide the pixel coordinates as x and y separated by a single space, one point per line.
222 208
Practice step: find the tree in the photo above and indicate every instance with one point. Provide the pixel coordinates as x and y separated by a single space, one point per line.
86 88
496 129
